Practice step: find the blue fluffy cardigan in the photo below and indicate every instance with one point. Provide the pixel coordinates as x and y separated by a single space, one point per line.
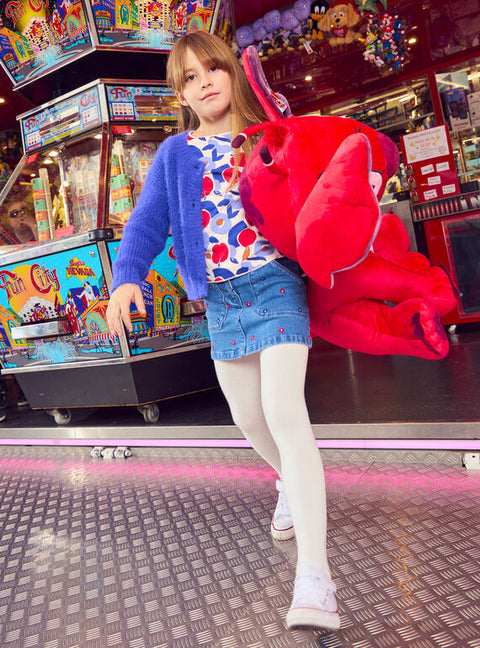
170 200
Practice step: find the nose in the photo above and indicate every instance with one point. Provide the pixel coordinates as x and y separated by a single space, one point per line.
205 80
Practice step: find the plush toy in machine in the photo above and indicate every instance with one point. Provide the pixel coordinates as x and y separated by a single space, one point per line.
261 38
291 29
244 37
302 12
339 19
273 26
370 6
312 186
318 9
385 42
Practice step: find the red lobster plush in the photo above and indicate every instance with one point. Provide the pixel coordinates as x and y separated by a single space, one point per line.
312 186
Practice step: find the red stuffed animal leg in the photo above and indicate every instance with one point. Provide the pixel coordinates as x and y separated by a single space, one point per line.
339 220
411 328
378 279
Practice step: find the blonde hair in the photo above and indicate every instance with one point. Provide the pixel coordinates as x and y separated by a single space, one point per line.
212 50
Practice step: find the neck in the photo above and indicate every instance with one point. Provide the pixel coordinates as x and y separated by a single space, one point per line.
217 127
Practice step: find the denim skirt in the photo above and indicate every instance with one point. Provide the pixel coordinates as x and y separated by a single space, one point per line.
262 308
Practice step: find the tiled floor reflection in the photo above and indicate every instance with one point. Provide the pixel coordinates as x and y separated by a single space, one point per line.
171 549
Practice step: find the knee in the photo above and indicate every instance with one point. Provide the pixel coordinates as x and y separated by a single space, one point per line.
247 419
284 420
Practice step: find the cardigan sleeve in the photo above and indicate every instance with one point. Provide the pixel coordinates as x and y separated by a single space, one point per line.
145 234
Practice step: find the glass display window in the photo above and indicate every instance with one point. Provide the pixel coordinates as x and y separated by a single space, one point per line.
131 154
77 186
459 90
463 236
52 193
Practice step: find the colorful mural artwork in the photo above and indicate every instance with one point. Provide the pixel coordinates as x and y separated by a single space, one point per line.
70 285
35 35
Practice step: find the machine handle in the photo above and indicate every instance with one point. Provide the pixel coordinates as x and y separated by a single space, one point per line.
190 308
45 328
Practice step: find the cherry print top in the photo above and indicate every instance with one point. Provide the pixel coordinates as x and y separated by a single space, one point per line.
233 245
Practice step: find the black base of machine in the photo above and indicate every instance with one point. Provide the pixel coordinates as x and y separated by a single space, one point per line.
143 380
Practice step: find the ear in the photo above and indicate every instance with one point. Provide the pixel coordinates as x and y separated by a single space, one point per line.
353 16
181 99
325 22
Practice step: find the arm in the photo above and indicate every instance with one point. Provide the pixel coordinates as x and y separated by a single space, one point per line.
146 231
143 238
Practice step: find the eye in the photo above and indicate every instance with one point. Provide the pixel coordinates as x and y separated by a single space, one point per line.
190 77
375 179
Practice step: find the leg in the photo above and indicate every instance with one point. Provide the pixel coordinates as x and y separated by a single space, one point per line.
283 370
240 383
283 378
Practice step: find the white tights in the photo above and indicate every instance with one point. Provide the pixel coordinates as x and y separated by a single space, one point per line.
265 392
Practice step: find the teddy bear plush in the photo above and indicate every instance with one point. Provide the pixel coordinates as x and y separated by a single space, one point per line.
312 186
339 19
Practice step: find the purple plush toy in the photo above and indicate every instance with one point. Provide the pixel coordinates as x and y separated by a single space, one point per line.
291 28
273 26
301 9
244 37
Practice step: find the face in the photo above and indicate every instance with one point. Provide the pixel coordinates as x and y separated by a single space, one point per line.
208 92
22 222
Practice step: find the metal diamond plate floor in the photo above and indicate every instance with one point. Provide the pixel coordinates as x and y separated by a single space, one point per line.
171 549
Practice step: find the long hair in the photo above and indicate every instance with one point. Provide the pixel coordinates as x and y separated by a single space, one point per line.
212 50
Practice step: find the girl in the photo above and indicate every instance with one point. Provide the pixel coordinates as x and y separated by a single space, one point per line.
254 297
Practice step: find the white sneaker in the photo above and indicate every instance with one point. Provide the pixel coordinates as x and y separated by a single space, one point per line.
314 602
282 525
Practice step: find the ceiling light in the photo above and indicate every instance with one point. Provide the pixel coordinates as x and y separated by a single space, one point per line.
2 100
53 153
308 77
412 40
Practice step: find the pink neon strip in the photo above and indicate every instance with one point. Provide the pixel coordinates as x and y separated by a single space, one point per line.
387 444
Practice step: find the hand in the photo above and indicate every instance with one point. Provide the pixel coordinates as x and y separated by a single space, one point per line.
118 309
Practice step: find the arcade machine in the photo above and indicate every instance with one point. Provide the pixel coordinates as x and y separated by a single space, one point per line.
446 216
86 155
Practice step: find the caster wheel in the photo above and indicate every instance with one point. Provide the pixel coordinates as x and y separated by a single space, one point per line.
150 413
3 393
61 416
451 329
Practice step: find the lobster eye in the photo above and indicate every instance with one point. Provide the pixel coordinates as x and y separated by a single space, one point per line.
266 156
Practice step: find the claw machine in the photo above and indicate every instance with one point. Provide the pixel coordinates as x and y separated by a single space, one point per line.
61 219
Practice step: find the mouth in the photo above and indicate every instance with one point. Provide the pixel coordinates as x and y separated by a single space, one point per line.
25 233
210 95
